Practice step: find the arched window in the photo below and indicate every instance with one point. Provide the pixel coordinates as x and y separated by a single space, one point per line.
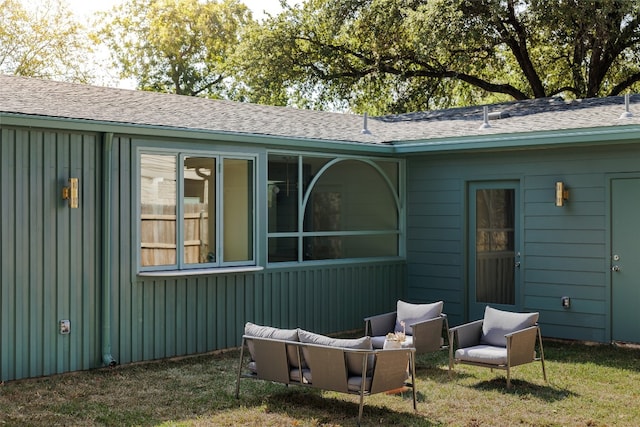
323 208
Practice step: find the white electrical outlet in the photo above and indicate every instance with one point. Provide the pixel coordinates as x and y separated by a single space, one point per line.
65 327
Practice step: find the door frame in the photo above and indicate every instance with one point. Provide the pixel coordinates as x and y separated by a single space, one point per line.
473 311
609 297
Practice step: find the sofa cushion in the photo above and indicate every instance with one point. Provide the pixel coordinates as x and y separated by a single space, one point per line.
483 354
355 382
415 313
254 330
354 362
378 342
498 323
294 375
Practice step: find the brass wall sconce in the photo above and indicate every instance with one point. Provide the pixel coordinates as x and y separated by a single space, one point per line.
71 193
562 194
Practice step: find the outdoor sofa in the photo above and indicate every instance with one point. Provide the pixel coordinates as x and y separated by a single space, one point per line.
299 357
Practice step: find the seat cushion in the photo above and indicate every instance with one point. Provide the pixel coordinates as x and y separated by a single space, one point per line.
254 330
378 342
483 354
354 383
498 323
294 375
354 361
415 313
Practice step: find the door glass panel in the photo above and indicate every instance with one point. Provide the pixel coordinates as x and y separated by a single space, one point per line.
495 246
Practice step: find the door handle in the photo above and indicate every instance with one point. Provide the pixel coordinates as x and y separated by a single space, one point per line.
615 268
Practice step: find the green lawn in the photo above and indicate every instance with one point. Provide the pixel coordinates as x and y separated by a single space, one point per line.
588 386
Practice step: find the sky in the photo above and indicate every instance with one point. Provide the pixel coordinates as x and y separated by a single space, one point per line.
86 7
106 76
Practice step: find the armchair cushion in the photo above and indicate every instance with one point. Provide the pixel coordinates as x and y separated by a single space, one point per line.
486 354
414 313
498 323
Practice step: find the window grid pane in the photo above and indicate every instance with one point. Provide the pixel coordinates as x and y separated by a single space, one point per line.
238 210
199 204
157 210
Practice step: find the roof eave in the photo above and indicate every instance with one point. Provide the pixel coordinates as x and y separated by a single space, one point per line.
150 131
523 140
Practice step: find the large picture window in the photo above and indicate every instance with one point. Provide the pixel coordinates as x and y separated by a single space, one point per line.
323 208
206 203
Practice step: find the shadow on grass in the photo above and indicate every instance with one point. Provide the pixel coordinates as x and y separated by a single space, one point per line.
545 393
599 354
442 376
312 405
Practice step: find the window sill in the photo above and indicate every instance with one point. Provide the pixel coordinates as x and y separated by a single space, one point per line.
199 271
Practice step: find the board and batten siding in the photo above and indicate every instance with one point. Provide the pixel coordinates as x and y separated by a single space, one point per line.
565 250
50 253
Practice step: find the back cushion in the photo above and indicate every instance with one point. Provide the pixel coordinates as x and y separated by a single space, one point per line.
354 362
498 323
254 330
415 313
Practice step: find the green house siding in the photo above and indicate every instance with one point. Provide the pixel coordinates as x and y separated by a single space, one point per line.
173 316
565 250
164 318
49 258
51 269
435 239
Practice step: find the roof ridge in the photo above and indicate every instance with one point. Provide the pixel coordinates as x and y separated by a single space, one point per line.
508 108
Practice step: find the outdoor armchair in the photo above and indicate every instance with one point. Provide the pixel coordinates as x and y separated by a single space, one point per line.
424 325
501 340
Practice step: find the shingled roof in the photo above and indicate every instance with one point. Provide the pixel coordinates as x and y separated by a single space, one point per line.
51 99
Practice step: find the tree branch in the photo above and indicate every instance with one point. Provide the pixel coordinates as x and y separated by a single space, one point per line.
626 83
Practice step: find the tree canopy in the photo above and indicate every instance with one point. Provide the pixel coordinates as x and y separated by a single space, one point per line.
43 41
177 46
375 56
387 56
